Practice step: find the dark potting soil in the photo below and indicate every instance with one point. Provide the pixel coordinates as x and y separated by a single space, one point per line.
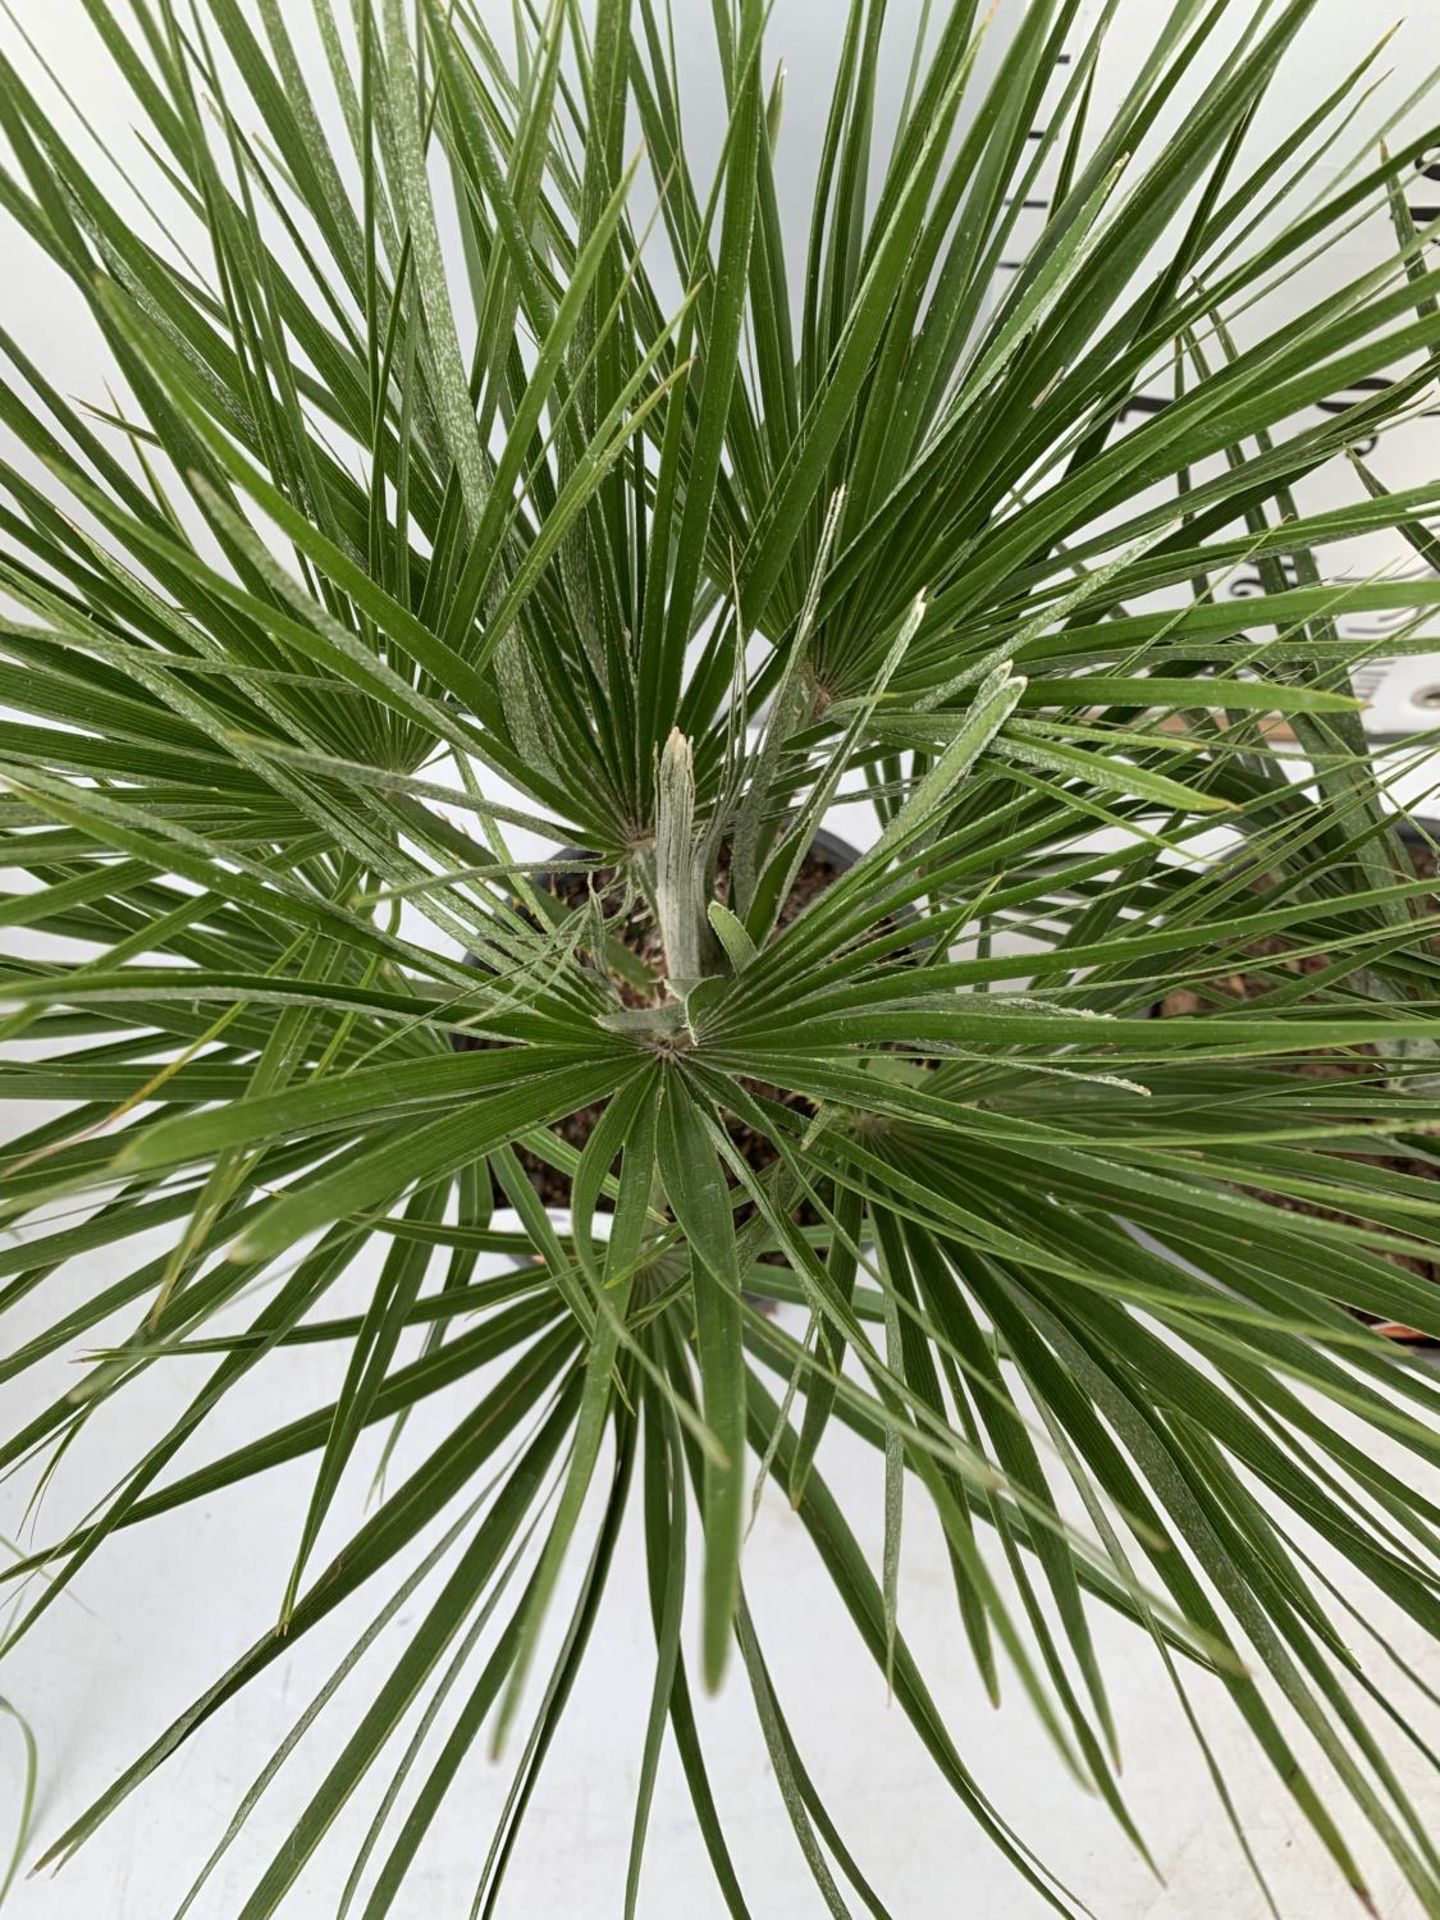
637 931
1252 987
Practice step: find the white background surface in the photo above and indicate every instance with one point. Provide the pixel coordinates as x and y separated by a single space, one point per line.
168 1607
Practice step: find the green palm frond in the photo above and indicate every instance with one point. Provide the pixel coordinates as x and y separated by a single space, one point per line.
484 493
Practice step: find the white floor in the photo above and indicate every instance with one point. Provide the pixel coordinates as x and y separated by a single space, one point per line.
166 1608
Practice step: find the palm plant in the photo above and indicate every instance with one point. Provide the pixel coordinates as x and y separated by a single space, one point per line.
416 502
